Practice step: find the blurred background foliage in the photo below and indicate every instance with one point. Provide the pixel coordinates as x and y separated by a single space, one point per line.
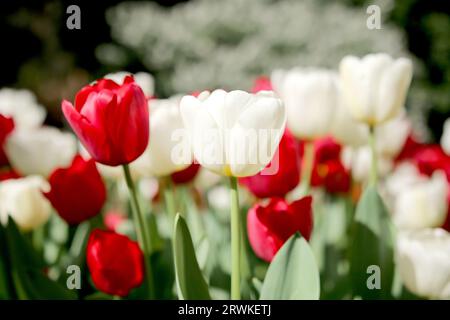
204 44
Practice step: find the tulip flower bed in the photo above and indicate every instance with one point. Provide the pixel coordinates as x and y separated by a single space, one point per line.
313 186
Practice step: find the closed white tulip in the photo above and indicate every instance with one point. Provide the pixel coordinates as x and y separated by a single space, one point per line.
22 106
310 96
423 260
143 79
41 150
234 133
445 138
22 199
165 121
421 203
375 86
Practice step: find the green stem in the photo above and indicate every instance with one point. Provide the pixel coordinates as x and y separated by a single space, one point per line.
235 241
373 169
169 199
307 166
141 230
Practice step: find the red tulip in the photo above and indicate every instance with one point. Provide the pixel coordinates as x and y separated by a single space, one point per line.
270 226
77 192
262 83
185 175
328 170
111 120
6 126
115 262
333 176
285 179
326 149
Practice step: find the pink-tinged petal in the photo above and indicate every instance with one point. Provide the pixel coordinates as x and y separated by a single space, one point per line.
260 238
92 138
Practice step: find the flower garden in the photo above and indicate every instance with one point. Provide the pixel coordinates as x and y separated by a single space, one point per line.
207 173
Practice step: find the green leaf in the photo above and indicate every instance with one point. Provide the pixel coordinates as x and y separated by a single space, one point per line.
27 270
371 245
293 273
190 281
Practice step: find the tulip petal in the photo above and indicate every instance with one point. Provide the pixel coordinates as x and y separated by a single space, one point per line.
256 136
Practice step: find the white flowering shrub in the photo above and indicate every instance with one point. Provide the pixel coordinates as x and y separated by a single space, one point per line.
213 43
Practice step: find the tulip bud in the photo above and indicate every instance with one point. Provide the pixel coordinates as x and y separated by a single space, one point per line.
375 86
40 151
22 199
115 262
310 97
270 226
110 120
423 260
233 133
77 192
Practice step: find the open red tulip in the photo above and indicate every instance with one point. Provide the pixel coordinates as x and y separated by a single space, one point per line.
111 120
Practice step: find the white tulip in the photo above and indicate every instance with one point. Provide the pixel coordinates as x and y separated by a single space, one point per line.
234 133
165 121
143 79
359 161
423 260
310 96
445 138
22 106
346 130
22 199
375 86
405 175
390 136
421 203
41 150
